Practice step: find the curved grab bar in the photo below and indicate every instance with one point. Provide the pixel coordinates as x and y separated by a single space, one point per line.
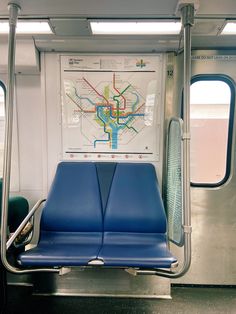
13 14
187 14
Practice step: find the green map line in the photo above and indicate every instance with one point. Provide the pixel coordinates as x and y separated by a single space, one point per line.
118 109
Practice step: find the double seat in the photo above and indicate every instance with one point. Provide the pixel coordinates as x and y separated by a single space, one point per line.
102 213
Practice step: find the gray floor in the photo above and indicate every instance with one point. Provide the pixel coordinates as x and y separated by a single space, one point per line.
189 300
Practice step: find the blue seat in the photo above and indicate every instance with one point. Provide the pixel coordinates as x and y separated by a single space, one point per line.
107 211
71 223
135 221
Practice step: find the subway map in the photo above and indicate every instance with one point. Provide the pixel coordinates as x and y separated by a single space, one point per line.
109 107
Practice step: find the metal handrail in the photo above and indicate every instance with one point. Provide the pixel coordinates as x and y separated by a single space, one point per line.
187 14
13 14
186 235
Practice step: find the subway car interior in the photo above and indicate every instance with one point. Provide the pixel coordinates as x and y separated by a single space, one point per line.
117 156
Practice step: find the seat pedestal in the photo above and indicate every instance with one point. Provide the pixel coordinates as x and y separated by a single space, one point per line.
101 282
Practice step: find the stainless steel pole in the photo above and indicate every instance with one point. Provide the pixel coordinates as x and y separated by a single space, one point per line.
13 13
187 13
187 21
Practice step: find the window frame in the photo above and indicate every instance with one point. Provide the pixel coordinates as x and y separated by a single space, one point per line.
228 80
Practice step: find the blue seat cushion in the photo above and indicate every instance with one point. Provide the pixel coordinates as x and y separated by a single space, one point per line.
63 249
143 250
134 203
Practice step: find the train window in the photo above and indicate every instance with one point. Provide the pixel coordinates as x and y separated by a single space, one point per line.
211 112
2 124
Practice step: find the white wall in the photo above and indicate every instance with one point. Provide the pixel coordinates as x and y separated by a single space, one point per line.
27 171
51 91
30 135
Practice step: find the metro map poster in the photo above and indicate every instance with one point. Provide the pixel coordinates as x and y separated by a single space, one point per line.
110 107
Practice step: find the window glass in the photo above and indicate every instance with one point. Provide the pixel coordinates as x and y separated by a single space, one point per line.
2 125
209 120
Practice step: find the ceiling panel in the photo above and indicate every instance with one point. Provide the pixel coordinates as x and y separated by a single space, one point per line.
94 8
116 8
215 42
217 8
70 27
209 27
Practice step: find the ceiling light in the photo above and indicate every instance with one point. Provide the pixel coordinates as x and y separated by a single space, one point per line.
134 28
229 29
27 27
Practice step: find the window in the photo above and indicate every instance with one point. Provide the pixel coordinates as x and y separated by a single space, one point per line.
211 113
2 124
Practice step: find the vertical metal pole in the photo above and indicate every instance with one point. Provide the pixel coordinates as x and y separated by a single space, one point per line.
187 13
13 13
187 22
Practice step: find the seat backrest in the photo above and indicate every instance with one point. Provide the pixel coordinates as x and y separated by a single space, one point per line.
74 202
105 172
134 203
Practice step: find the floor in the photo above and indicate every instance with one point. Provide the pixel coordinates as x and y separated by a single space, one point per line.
185 300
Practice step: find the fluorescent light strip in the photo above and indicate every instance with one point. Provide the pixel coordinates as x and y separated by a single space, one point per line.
135 28
229 29
31 27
